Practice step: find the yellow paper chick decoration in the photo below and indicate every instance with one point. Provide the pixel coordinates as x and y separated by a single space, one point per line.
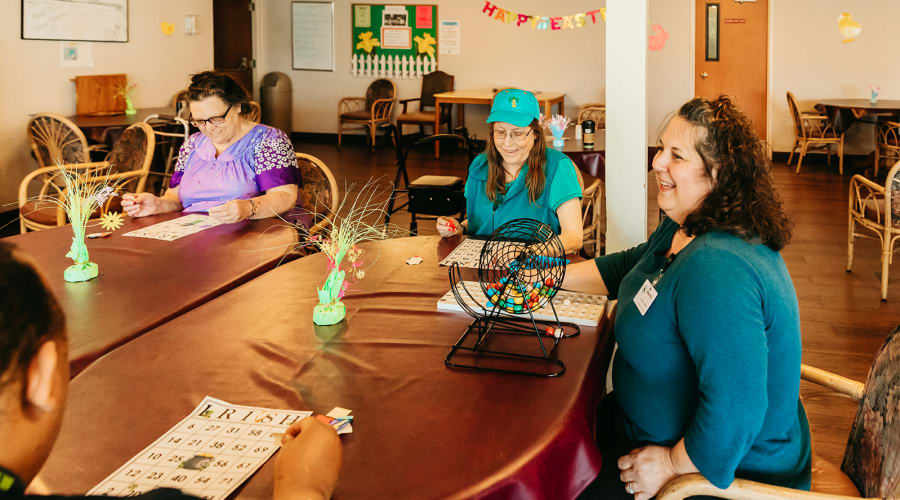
425 44
111 221
848 28
367 43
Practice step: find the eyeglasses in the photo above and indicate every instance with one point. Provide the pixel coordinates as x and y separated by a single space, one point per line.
212 120
518 135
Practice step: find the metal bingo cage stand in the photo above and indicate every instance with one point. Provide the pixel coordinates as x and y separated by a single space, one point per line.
521 269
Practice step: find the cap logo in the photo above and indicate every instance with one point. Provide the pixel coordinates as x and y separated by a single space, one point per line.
513 101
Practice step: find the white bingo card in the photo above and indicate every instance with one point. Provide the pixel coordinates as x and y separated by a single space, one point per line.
176 228
208 454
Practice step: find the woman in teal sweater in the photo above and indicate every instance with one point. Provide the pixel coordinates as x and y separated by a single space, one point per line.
519 177
707 374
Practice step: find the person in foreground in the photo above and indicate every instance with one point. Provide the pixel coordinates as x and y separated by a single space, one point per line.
233 169
707 373
518 176
34 380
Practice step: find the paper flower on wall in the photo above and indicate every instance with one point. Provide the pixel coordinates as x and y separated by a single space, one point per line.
111 221
425 44
848 28
367 43
657 40
167 28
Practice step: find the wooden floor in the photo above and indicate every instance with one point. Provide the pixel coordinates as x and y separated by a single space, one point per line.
843 319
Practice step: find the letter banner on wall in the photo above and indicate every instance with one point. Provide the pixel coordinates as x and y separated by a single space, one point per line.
577 20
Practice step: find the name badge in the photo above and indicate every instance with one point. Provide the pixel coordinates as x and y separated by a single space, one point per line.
645 296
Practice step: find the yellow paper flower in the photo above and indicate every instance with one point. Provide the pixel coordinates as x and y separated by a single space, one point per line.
367 43
111 221
425 44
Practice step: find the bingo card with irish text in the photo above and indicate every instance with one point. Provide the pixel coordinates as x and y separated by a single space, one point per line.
208 454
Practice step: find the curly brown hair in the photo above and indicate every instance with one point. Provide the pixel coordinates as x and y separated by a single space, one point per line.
743 200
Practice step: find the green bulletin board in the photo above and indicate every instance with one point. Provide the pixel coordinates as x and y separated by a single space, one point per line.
394 30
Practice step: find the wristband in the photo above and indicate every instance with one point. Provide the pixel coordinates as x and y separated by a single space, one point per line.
253 206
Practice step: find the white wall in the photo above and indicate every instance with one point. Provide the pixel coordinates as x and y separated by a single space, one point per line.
35 82
810 60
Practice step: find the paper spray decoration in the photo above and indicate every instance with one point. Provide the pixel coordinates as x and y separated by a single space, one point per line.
657 41
366 42
848 28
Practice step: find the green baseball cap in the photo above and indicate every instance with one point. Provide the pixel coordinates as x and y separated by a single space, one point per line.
516 106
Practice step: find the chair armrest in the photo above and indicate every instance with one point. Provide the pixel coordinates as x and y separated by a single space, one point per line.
690 485
404 102
832 381
347 104
813 116
23 186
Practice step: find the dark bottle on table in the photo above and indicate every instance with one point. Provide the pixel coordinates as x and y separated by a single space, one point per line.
587 129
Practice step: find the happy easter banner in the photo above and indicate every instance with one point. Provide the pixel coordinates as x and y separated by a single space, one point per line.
577 20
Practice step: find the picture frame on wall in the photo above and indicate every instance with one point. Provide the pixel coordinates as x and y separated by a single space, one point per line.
82 21
312 36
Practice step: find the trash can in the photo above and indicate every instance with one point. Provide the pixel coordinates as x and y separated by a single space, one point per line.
276 101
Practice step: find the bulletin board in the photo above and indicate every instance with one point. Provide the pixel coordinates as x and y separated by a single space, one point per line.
394 30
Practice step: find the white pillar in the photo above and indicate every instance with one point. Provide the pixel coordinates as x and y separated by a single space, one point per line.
626 123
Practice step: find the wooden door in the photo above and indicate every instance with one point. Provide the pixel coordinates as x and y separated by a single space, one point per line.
731 54
233 39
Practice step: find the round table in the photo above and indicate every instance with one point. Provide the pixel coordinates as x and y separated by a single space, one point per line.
420 429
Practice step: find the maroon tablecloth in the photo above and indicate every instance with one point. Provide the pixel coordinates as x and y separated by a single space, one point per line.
421 430
144 282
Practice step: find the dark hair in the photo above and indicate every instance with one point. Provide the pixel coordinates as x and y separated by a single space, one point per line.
211 83
29 314
534 179
743 200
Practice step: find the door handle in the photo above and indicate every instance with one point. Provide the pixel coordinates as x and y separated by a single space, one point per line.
704 74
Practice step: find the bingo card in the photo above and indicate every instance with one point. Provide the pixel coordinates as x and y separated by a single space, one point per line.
579 308
466 254
176 228
208 454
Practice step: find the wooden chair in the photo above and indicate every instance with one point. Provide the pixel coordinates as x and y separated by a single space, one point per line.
876 207
319 193
253 112
592 111
370 111
127 165
887 142
871 465
814 130
432 83
592 217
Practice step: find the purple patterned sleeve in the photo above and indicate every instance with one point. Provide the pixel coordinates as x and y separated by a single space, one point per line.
183 154
276 164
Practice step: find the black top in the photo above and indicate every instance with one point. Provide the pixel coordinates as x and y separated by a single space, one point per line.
13 487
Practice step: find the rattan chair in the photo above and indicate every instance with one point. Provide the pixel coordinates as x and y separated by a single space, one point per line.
369 111
887 143
813 130
871 465
876 207
56 140
319 193
127 165
592 111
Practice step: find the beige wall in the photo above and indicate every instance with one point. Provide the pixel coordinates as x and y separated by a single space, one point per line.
35 82
810 60
493 54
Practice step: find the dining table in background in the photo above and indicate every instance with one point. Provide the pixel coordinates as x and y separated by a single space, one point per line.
845 112
105 129
420 429
485 97
145 282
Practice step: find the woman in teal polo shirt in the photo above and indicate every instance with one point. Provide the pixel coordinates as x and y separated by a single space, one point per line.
707 374
518 176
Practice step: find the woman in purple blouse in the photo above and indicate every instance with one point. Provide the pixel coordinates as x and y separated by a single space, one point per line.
233 169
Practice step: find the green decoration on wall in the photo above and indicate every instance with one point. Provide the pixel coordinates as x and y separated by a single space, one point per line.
394 30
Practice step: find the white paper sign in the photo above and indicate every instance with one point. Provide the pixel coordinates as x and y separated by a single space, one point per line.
449 37
76 54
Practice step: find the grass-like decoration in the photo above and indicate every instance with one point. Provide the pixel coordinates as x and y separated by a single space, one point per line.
357 220
80 195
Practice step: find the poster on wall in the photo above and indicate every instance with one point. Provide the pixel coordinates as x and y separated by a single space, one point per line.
76 54
449 39
85 20
312 34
